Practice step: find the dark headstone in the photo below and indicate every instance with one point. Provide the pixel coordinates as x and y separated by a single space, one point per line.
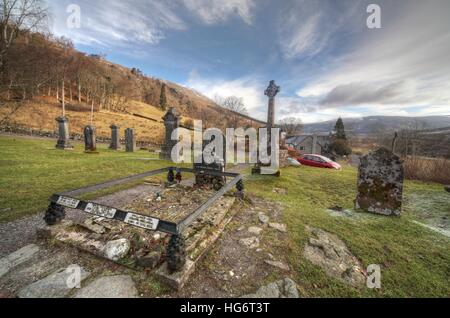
63 128
447 188
171 122
204 172
130 141
380 183
89 139
115 137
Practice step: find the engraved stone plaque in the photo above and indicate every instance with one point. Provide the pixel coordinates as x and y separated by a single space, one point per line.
100 210
142 221
68 202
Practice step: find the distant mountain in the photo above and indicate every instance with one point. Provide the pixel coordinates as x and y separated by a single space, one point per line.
379 124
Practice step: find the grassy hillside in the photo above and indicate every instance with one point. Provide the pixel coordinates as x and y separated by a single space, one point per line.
41 113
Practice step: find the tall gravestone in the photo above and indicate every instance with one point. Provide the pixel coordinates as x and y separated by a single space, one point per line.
380 183
115 137
171 122
90 139
130 140
63 128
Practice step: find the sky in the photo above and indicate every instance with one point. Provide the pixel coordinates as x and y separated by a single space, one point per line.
327 61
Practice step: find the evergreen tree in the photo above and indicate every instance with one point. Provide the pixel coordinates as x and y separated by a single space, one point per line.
162 98
340 129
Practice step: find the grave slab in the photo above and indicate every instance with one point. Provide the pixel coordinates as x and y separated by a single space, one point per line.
120 286
18 257
53 286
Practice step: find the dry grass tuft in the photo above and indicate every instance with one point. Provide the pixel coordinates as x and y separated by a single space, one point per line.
427 169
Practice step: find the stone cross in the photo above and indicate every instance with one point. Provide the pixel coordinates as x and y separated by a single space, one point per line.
380 183
89 139
63 128
171 122
130 140
115 137
271 92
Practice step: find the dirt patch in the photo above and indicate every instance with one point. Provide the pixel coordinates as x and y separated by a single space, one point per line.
230 268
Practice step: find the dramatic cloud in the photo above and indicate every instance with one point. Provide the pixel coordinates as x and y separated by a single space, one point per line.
306 28
247 88
115 22
216 11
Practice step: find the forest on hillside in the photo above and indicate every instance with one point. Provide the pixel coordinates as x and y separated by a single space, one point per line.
33 62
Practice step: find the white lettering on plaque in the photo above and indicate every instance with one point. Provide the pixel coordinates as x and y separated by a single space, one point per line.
145 222
100 210
68 202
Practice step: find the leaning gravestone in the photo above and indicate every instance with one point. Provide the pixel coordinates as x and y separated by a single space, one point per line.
115 139
89 139
63 129
380 183
130 140
171 122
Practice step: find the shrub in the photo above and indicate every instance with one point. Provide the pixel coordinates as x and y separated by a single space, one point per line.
340 147
427 169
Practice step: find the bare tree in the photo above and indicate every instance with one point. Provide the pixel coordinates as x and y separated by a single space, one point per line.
235 105
16 16
291 125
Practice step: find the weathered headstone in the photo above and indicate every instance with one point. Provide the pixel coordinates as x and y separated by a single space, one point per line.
380 183
90 139
171 122
115 137
204 172
130 140
63 129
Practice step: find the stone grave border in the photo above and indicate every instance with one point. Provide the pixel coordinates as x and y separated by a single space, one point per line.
176 248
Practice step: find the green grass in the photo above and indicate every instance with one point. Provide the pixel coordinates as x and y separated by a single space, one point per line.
415 261
32 170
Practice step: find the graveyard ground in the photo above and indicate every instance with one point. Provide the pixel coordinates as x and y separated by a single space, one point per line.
32 169
414 259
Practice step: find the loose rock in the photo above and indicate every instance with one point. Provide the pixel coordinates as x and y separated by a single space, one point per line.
255 230
285 288
279 227
332 255
277 264
264 219
251 242
115 250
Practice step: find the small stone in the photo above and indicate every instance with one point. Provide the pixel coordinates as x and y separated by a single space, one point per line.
151 260
255 230
231 273
157 236
279 227
91 226
115 250
277 264
251 242
264 219
121 286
